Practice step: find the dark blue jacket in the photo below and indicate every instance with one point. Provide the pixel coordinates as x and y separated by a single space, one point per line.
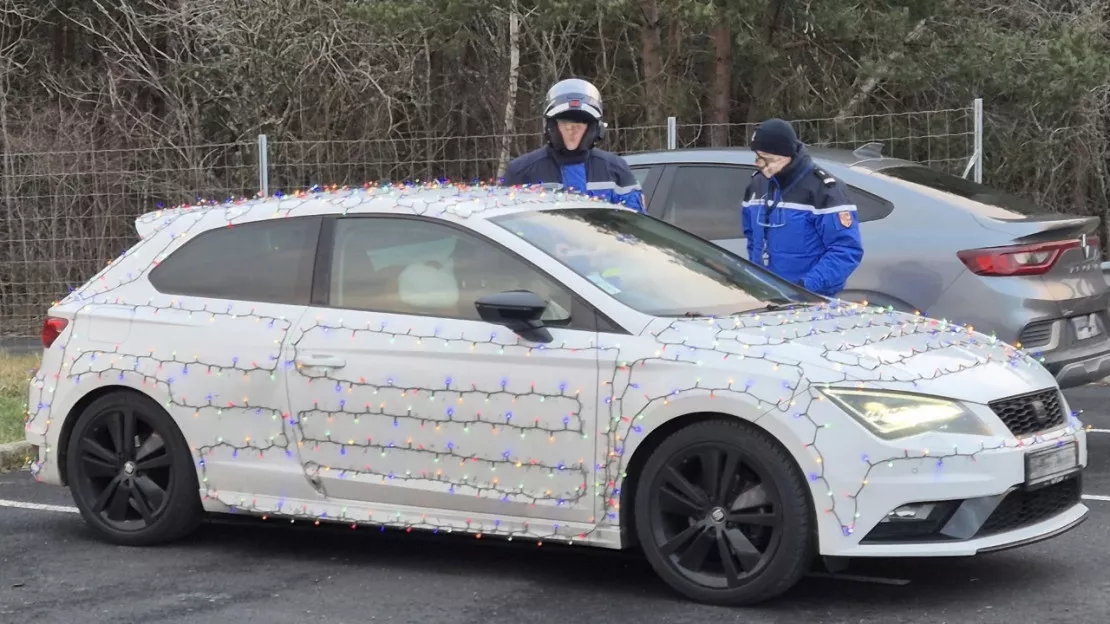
802 225
597 173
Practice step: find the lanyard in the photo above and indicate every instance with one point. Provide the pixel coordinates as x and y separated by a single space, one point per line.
776 199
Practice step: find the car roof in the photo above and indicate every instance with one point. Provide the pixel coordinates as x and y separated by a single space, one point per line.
433 199
865 157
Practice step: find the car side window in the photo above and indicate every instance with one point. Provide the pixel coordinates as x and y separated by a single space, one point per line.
270 261
413 266
870 207
705 200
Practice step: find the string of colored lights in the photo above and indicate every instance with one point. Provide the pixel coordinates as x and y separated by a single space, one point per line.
614 469
746 338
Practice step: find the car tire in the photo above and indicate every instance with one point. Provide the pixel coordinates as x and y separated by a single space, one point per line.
746 542
136 494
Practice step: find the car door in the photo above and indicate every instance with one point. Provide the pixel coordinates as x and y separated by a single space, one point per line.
403 395
648 178
234 294
704 199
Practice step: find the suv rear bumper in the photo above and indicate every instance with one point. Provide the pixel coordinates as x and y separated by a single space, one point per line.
1076 367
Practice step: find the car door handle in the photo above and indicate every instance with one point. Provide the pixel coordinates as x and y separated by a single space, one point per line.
321 360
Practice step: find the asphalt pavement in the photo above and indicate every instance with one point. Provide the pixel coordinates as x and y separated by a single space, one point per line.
52 570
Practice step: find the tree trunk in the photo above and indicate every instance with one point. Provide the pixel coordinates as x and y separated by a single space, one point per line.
864 88
651 50
514 81
720 91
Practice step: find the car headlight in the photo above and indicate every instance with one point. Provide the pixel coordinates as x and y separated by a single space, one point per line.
892 415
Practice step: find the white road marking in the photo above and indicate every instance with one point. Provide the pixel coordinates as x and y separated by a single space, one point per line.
37 506
859 579
1098 431
1105 499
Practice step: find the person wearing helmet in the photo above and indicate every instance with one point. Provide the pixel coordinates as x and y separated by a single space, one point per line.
572 125
800 221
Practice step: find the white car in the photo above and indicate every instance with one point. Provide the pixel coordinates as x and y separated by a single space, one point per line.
523 364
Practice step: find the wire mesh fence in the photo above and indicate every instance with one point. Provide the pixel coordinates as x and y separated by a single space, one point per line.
943 139
413 157
66 214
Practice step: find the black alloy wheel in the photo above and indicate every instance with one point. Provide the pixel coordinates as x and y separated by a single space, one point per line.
722 514
131 473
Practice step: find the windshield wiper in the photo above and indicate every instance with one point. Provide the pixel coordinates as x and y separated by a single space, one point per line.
778 306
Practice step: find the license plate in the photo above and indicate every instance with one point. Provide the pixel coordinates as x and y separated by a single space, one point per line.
1049 464
1086 326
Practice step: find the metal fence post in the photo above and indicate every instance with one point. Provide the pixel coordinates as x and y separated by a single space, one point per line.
978 106
263 167
672 133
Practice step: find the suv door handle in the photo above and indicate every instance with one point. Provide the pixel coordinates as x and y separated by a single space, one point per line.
322 360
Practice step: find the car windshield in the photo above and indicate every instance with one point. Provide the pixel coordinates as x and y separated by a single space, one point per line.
973 191
652 266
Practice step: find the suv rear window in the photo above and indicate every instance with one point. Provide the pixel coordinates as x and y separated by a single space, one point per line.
967 189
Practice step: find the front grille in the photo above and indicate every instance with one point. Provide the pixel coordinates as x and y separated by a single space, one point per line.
1036 334
1030 413
1022 508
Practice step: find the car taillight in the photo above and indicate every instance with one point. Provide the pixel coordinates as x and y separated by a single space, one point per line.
52 327
1034 259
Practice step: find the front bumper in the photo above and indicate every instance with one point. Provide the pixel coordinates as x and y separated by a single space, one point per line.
951 495
1045 529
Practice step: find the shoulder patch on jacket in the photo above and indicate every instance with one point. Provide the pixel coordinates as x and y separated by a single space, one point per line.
845 217
826 179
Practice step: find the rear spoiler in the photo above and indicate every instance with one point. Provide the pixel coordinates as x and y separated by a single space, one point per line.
1049 229
1044 228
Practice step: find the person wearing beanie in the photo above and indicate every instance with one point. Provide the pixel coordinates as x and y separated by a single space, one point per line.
569 160
799 221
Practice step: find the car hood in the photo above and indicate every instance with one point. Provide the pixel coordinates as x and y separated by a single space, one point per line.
852 343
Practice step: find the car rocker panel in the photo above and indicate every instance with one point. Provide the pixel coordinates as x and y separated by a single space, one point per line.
451 427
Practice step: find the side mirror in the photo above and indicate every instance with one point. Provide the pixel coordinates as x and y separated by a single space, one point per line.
518 310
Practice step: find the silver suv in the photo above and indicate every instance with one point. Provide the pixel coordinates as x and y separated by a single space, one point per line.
933 242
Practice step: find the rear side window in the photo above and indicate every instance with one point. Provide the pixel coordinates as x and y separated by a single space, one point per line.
270 261
870 207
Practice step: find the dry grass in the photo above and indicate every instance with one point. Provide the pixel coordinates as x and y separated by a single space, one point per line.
15 373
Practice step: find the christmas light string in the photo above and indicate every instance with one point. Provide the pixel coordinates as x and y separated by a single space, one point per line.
614 469
745 338
456 404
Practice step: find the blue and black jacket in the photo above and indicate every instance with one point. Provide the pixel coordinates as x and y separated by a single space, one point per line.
802 225
596 173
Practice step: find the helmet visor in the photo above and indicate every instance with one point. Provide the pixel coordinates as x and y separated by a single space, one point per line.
578 106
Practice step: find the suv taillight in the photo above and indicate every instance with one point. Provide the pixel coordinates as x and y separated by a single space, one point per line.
1035 259
52 327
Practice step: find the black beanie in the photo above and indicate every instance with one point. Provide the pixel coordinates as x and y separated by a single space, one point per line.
775 136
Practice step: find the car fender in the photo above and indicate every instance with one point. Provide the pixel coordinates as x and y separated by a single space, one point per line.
632 430
772 421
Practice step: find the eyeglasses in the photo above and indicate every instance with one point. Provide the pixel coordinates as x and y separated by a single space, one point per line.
767 160
770 216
